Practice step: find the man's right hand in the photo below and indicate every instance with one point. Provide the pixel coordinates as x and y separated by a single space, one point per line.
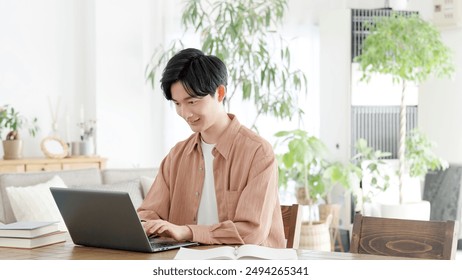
166 229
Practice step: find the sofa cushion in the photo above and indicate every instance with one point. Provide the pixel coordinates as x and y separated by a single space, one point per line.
114 175
35 202
132 187
146 183
90 176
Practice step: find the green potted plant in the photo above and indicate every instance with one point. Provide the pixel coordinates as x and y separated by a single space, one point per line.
419 160
410 50
243 33
377 172
12 121
305 164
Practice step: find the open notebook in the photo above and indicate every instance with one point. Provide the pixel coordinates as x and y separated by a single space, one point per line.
247 251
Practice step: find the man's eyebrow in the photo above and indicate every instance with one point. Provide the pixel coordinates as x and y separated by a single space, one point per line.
187 98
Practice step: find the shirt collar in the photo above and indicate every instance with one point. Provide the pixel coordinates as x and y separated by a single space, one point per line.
224 143
226 140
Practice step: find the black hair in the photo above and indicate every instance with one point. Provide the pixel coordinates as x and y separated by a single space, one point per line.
200 74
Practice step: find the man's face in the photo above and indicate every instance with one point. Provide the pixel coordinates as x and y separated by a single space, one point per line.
199 113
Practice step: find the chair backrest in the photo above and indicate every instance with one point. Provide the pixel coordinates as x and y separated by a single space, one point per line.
292 220
404 238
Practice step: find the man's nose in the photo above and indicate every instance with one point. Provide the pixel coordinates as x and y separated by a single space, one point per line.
185 114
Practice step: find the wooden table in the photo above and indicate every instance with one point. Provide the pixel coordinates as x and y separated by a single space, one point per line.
69 251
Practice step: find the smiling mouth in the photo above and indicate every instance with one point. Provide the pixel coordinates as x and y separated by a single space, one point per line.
193 121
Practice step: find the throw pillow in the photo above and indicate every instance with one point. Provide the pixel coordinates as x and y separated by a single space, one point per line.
132 187
35 203
146 183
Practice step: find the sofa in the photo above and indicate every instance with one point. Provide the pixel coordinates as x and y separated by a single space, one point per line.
26 196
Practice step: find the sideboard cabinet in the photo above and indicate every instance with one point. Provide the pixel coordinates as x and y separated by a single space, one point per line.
49 164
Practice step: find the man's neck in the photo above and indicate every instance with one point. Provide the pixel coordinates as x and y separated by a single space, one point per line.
211 135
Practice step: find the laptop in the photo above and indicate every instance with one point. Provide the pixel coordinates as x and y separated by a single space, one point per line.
107 219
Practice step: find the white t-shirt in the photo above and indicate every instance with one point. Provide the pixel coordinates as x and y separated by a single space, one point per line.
208 212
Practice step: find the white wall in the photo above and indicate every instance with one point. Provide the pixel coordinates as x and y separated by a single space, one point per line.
128 113
440 100
440 104
37 61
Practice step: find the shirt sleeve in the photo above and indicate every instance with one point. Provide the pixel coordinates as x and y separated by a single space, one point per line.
156 204
255 209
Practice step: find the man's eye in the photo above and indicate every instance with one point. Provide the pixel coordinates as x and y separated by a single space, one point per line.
192 102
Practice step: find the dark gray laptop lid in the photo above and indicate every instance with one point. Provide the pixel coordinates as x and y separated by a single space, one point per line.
105 219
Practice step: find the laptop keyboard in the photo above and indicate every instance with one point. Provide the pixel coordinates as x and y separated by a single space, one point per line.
156 243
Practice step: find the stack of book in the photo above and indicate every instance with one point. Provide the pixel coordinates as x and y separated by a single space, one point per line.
30 234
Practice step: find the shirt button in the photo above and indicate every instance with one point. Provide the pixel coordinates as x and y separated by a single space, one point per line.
200 168
197 193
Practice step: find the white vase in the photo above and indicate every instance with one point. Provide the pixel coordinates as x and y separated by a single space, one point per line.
83 148
87 148
409 210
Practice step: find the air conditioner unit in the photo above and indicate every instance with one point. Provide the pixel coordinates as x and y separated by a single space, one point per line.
447 13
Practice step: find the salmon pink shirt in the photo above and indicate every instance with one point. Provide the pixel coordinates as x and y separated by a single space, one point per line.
246 186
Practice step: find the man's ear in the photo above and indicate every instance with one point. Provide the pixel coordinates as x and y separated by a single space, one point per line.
221 90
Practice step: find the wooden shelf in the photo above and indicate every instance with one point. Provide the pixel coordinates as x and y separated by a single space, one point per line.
51 164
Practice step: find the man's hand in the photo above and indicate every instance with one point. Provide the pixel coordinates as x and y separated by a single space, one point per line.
166 229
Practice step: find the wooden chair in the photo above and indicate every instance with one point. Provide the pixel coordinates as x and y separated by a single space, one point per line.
292 220
404 238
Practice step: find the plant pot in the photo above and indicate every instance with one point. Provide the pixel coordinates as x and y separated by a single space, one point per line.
316 236
409 211
12 149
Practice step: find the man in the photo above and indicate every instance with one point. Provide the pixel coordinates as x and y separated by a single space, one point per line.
219 186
